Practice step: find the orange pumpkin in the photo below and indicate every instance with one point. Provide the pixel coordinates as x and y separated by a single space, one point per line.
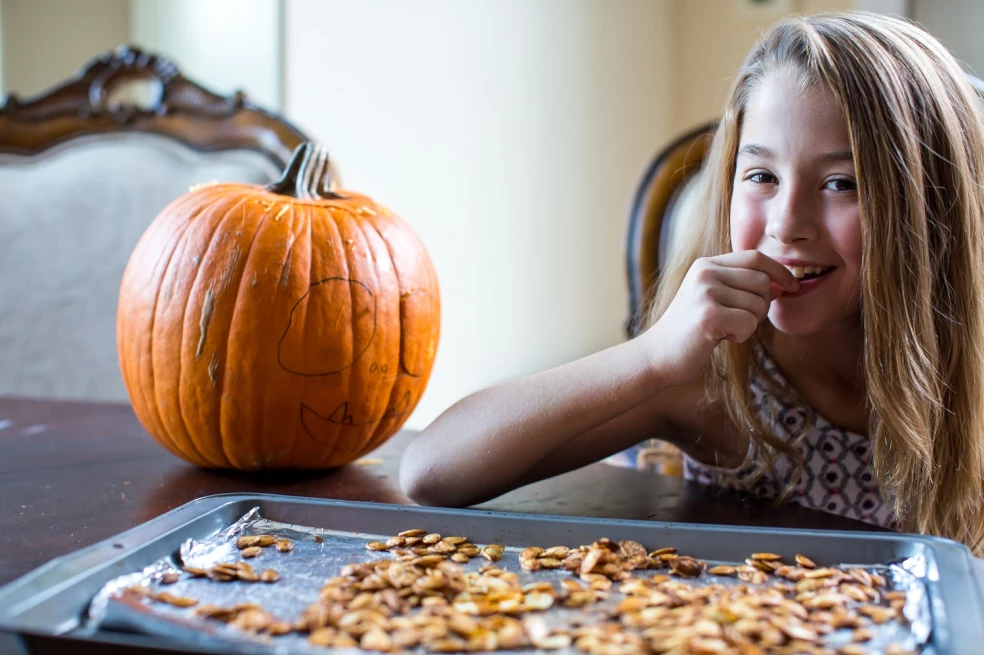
288 326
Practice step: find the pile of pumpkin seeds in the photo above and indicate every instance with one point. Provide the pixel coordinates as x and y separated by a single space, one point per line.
422 598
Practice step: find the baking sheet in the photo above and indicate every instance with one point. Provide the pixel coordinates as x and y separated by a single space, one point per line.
320 553
46 609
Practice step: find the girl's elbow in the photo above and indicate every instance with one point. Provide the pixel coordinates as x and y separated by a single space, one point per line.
419 485
418 490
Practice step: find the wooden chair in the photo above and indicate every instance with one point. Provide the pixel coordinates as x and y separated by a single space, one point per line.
84 168
659 204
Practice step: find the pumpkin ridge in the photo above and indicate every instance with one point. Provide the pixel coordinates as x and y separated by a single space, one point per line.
284 278
382 426
216 230
124 341
350 222
421 251
223 437
354 224
187 443
148 400
292 446
428 280
220 385
309 219
403 364
340 260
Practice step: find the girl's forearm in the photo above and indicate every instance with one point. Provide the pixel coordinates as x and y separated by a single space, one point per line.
494 439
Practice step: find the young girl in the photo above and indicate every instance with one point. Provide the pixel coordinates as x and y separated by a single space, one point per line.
818 334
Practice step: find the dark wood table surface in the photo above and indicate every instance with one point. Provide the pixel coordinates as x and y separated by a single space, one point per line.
74 473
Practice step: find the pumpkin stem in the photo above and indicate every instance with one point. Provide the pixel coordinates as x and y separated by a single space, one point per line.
308 175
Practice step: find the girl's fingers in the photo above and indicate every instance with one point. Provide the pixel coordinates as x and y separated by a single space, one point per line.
747 301
755 260
739 324
746 280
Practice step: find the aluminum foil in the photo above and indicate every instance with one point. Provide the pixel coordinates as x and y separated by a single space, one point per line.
320 554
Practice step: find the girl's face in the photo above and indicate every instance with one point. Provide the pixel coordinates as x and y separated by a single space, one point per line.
795 199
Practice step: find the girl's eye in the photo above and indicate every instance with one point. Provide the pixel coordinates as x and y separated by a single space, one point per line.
842 185
762 178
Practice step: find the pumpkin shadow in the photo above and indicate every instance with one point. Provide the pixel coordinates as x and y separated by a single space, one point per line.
185 483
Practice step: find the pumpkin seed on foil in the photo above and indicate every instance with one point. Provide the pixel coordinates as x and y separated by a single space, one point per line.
171 599
493 552
170 577
247 541
766 557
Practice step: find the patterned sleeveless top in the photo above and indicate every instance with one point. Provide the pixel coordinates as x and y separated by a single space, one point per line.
837 474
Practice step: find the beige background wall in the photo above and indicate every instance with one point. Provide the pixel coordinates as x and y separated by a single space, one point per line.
710 39
46 41
958 24
225 45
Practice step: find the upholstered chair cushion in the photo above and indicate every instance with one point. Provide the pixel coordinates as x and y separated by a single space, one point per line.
69 219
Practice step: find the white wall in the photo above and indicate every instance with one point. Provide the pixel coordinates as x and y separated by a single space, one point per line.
44 42
225 45
895 7
510 135
709 51
957 23
3 89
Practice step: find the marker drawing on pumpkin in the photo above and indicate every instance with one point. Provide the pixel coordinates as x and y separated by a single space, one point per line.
294 357
315 423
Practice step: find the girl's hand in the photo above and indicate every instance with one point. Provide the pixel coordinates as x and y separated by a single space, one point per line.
723 297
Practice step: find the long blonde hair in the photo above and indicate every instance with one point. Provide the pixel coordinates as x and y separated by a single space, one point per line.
916 127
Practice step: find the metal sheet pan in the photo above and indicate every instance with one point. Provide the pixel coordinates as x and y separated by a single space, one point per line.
46 608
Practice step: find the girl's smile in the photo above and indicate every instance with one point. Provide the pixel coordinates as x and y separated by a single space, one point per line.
809 284
810 274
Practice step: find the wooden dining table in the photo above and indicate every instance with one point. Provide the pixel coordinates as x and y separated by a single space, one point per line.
75 473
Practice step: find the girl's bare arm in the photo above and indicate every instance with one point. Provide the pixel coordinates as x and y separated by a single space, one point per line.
542 425
536 427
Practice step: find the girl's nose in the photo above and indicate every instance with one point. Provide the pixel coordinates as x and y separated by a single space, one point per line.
791 217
